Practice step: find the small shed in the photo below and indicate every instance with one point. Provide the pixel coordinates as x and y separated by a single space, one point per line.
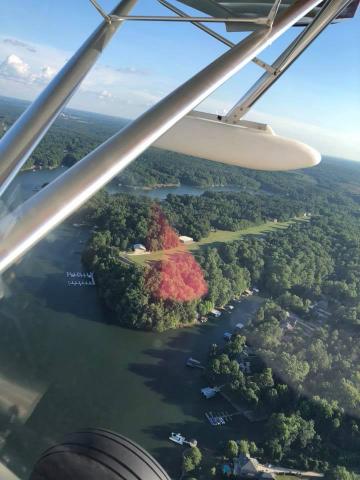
185 239
139 248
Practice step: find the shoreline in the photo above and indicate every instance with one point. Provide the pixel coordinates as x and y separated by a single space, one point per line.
156 186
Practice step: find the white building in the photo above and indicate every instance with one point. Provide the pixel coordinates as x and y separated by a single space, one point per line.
139 248
185 239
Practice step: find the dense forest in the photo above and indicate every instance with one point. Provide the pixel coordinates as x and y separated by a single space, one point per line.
302 342
327 262
305 379
123 220
300 429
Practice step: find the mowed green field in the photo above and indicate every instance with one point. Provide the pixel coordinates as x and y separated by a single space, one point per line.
213 239
287 477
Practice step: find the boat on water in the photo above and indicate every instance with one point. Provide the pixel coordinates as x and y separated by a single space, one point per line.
191 362
177 438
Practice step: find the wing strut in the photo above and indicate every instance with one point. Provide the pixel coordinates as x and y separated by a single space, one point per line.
326 15
101 11
212 33
21 139
30 222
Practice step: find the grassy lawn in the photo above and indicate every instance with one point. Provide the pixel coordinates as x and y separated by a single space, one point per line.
213 239
287 477
223 236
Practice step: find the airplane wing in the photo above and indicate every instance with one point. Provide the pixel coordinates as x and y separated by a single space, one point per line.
252 8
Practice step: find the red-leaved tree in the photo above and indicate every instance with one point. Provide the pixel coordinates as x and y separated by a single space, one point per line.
177 277
161 236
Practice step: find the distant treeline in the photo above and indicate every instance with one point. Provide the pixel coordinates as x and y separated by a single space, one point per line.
75 133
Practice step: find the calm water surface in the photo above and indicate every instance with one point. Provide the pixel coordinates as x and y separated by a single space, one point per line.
64 368
27 183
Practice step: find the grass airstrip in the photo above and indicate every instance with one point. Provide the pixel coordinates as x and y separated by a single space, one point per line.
212 240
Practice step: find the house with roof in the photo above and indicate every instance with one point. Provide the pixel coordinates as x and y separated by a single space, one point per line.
247 467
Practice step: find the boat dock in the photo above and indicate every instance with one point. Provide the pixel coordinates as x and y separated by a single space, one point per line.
220 418
80 279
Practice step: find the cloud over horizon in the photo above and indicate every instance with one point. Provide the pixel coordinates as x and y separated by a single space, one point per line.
18 43
25 68
14 68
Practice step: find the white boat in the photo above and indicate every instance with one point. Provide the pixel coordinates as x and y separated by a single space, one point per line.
177 438
192 362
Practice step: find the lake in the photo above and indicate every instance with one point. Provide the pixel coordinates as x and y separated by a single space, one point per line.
64 368
27 183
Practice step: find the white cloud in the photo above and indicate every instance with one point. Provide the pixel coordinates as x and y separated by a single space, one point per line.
46 73
35 55
130 70
106 89
18 43
13 67
127 103
105 95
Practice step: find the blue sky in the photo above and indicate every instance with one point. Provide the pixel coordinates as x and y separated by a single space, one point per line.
317 100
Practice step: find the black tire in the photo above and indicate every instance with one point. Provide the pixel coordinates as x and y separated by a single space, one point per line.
96 454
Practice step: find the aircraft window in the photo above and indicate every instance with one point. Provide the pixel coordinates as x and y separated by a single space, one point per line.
205 303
